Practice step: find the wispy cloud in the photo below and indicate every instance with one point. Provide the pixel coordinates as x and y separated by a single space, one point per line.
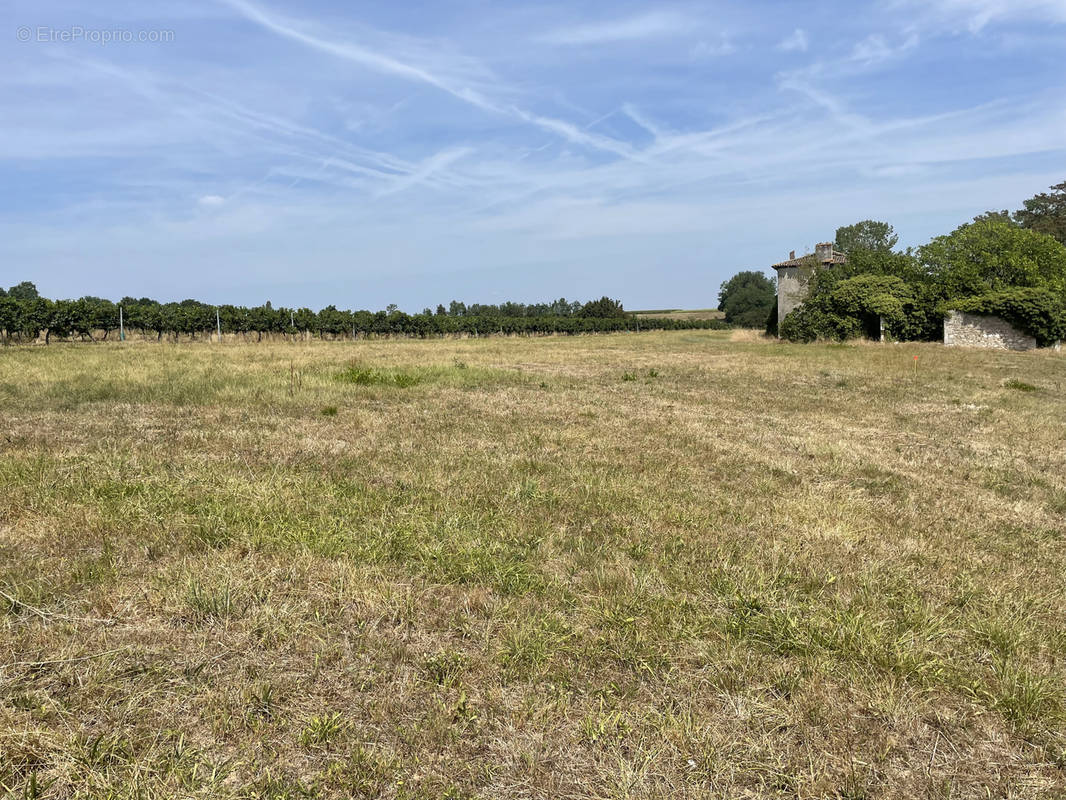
875 49
364 56
385 63
433 164
653 128
975 15
266 134
794 42
642 26
704 48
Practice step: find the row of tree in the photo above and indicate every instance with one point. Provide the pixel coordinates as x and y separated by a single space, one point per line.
25 315
1012 264
557 308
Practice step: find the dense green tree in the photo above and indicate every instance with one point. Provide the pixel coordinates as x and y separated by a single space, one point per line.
235 319
305 319
874 283
556 308
561 308
868 235
23 291
748 307
96 314
264 319
604 308
10 316
990 256
28 318
746 299
35 316
333 321
854 307
1046 213
149 315
865 261
66 317
996 216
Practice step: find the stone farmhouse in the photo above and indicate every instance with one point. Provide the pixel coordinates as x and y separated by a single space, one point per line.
960 330
794 276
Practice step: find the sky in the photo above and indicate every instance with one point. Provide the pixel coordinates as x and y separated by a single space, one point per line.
368 153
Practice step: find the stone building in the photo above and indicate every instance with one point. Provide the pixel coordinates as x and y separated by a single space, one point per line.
794 275
974 330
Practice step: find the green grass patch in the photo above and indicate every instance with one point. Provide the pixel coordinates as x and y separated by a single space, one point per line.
1019 386
370 376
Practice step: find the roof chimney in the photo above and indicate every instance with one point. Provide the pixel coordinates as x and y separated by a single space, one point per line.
791 255
824 251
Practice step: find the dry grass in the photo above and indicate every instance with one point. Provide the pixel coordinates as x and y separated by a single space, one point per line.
628 566
703 313
749 335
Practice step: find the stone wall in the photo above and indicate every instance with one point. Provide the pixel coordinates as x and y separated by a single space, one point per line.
793 286
972 330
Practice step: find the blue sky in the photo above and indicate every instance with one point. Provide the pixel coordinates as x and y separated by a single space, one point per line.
369 153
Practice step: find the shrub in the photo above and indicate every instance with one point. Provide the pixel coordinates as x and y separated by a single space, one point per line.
845 308
1021 386
809 323
852 307
771 320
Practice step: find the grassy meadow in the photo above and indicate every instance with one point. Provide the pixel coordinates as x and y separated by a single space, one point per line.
705 313
689 564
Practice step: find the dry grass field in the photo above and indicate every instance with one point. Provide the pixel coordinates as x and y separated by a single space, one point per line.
704 313
662 565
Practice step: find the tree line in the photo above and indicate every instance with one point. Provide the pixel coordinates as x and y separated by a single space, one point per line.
27 316
1009 264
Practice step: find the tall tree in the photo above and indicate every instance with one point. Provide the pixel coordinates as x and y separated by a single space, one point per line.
603 308
995 216
23 291
867 235
1046 213
990 256
747 298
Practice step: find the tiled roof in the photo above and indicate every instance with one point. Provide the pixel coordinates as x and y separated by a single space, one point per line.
838 258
